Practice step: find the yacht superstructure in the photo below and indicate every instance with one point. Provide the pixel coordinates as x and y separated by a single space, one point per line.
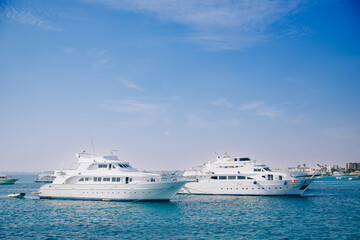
108 178
242 176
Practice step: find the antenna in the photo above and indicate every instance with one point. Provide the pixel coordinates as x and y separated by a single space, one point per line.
92 143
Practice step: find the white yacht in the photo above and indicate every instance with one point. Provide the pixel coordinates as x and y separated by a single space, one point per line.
7 179
242 176
109 179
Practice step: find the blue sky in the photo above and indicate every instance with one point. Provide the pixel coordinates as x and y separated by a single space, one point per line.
169 83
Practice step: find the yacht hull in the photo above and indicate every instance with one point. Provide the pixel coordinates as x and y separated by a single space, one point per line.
257 188
8 181
153 191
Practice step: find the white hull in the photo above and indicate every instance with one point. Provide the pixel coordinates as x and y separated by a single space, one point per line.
152 191
261 188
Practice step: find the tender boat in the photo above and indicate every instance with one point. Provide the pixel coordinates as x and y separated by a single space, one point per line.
242 176
17 195
45 177
109 179
7 180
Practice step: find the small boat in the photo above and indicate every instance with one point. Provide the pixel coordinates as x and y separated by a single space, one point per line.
341 177
17 195
354 178
45 177
7 180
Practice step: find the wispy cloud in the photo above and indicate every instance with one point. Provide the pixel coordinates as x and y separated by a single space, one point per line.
130 106
224 24
25 16
221 102
102 60
129 84
250 106
261 109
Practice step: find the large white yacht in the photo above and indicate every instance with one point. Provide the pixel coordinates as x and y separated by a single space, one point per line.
242 176
109 179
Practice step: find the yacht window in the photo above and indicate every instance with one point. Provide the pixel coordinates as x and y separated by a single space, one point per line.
267 169
87 179
120 165
222 177
226 166
244 159
270 177
102 165
130 180
257 170
280 177
116 179
235 159
214 177
97 179
231 167
151 180
249 178
106 179
263 176
231 177
241 177
81 179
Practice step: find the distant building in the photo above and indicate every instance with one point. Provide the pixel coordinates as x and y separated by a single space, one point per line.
352 166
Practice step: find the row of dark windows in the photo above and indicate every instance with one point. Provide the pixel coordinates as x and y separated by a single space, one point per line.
251 188
122 165
105 179
230 177
241 159
255 169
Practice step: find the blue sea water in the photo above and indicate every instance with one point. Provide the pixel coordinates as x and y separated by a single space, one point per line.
328 210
